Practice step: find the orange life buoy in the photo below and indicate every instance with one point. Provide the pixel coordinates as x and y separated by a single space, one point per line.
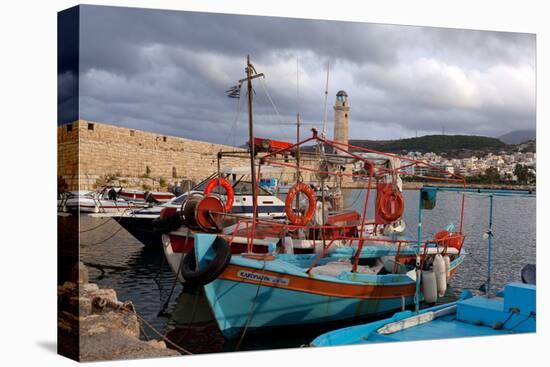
390 205
228 188
300 218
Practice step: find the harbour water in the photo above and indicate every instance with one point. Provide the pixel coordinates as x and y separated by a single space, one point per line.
117 260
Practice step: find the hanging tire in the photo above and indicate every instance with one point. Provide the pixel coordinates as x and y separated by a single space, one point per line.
212 270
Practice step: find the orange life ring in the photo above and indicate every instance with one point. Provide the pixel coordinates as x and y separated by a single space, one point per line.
215 182
391 205
300 218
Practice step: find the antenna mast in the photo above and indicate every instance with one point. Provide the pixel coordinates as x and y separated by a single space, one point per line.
324 131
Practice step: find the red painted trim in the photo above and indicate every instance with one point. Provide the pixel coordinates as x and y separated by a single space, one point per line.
322 287
111 206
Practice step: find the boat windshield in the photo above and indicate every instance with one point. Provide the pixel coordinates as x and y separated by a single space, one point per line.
245 188
241 188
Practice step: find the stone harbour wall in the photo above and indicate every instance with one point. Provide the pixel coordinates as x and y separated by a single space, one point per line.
67 156
92 154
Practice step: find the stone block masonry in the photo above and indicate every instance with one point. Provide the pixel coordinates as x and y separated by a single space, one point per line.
90 153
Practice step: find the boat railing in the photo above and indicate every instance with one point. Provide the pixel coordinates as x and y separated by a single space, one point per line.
442 243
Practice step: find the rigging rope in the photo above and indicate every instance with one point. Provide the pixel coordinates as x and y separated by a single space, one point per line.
262 82
281 122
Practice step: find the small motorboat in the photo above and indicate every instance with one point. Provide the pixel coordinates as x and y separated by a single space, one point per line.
104 201
68 197
145 224
145 195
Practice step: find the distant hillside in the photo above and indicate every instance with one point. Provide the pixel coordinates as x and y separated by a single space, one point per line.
450 144
518 136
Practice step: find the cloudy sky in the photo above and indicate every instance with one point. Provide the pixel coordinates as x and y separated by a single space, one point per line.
166 71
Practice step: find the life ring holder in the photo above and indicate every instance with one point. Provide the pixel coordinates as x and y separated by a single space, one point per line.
385 201
215 182
300 218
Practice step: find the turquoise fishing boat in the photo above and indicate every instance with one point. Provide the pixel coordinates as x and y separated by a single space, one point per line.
263 291
512 310
321 263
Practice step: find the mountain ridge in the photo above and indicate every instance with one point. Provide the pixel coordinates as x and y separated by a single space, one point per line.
518 136
448 144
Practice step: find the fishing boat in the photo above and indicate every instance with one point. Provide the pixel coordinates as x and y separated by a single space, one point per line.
309 267
511 310
146 223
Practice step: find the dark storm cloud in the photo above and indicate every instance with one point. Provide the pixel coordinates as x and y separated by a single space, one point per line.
167 71
67 65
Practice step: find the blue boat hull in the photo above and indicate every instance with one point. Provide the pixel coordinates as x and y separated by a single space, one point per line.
257 294
242 305
471 316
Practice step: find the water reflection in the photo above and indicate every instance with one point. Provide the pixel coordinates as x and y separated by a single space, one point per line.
118 260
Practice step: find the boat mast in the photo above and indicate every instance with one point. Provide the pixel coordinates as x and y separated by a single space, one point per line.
251 136
251 74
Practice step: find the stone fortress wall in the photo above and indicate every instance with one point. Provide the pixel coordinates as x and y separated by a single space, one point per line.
90 154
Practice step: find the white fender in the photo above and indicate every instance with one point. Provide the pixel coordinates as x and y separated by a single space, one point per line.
289 245
440 274
319 217
447 260
429 286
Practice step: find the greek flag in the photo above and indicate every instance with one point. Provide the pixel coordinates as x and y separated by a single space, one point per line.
234 91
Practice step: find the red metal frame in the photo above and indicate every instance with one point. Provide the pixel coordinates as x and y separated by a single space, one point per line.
375 172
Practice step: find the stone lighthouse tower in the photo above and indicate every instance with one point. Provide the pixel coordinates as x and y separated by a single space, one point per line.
341 119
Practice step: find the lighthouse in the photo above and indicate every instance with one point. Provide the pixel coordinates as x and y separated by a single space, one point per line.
341 118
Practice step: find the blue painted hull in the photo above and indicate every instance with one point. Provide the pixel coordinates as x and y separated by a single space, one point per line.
239 305
258 294
470 316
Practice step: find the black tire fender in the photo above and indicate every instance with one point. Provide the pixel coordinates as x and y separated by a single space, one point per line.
212 270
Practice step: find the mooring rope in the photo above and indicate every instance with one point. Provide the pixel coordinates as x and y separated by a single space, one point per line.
114 234
193 314
182 350
104 240
252 309
165 306
96 227
128 307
